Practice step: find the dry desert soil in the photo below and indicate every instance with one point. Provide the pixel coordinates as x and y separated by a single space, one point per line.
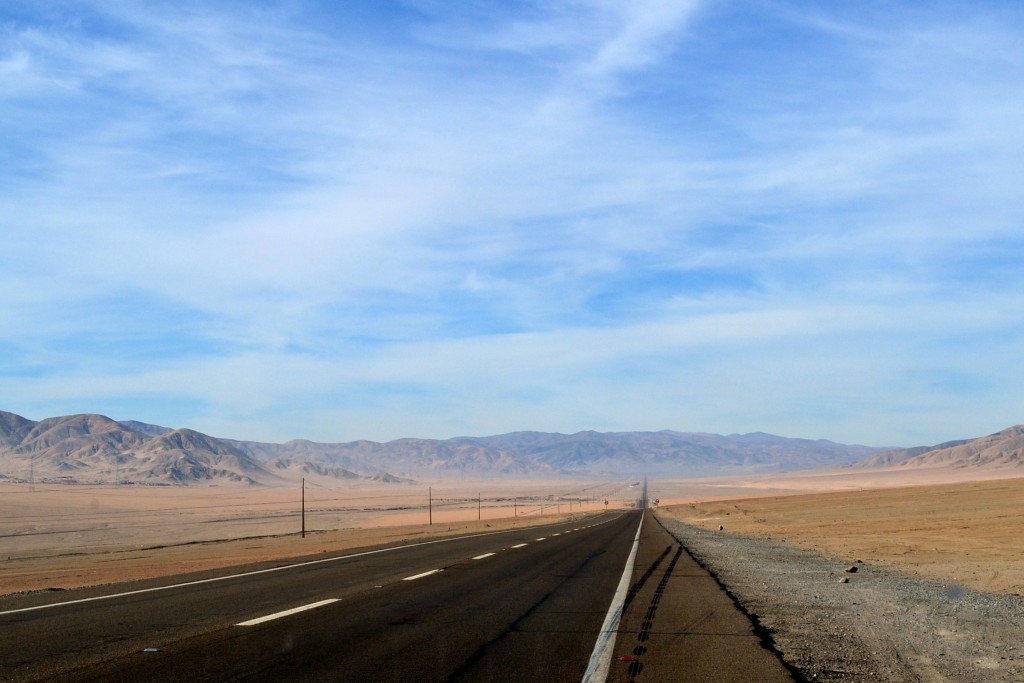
935 595
971 534
882 585
61 536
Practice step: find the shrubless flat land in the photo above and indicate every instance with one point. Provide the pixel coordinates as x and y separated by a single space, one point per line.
968 533
69 536
971 534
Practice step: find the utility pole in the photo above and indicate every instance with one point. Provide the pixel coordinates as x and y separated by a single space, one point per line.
430 506
478 507
303 507
515 507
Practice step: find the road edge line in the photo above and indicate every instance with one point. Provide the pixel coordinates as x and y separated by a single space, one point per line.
600 658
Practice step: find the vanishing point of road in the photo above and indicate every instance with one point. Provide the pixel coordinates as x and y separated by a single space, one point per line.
611 597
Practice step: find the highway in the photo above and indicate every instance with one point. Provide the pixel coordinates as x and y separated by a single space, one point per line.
530 604
521 605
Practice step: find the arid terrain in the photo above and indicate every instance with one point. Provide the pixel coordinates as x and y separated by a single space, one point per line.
936 594
970 534
86 500
61 536
885 584
56 536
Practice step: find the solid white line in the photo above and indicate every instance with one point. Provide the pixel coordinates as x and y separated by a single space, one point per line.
420 576
287 612
600 658
252 573
521 545
480 557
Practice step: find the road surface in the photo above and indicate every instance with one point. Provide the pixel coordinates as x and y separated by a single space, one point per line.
521 605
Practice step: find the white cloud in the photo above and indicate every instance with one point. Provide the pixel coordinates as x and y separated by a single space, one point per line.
571 215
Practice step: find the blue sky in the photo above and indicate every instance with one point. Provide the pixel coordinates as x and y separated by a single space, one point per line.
373 220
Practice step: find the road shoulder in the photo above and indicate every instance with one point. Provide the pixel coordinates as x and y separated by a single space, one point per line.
679 625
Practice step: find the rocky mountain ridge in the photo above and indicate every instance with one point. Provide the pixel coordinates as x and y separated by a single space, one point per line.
1002 450
96 449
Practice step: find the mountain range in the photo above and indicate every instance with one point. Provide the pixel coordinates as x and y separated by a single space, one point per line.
96 449
1002 450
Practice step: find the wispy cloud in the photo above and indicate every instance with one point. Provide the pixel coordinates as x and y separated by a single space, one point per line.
435 218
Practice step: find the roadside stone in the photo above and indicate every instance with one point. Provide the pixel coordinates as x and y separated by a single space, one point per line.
888 627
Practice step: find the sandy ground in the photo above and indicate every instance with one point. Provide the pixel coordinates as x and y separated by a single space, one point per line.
875 625
62 536
969 534
936 591
68 536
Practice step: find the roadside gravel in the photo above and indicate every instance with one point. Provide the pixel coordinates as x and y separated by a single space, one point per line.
880 626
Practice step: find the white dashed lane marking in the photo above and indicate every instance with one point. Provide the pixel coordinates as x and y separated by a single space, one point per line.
480 557
420 576
521 545
287 612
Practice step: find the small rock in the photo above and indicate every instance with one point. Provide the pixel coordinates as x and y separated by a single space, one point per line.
852 569
721 528
845 579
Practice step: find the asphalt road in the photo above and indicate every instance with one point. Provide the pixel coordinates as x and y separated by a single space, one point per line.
523 605
505 606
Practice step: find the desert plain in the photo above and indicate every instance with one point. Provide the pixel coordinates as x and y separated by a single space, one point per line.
927 523
57 536
967 533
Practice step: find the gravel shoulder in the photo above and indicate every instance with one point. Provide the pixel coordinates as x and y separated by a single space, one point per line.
872 624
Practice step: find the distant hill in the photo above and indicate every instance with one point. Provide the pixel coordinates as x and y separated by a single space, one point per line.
408 457
901 455
13 429
583 454
1002 450
96 449
674 453
143 428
